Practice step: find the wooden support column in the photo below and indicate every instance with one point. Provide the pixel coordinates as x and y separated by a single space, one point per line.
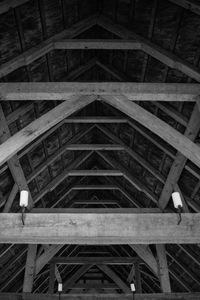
138 278
14 166
30 268
51 278
163 269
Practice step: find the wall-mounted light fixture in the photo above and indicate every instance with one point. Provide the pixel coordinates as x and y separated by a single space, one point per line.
178 204
133 289
60 288
23 203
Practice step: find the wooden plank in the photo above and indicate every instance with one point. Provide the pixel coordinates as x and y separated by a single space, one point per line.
191 5
166 57
133 91
163 269
105 44
46 46
39 126
110 273
30 268
157 126
95 260
159 296
180 160
97 228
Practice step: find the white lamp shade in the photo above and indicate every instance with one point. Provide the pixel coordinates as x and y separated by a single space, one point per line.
59 287
177 199
132 287
23 198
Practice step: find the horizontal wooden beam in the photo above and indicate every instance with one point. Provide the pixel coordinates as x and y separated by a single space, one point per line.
94 147
133 91
95 173
98 228
170 296
105 44
96 119
95 260
94 210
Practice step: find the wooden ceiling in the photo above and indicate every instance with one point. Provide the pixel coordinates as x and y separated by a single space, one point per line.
127 137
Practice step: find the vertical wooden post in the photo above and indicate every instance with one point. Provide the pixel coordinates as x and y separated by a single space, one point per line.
138 278
30 268
52 278
163 269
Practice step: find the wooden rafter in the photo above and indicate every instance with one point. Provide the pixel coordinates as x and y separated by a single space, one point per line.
96 228
157 126
110 273
46 46
150 48
191 5
180 160
39 126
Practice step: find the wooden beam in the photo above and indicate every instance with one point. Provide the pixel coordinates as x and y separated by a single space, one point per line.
133 91
180 160
103 120
191 5
14 166
145 253
105 44
166 57
28 134
95 260
95 173
97 228
157 126
94 210
112 275
94 147
163 269
8 4
133 154
73 278
46 46
30 268
159 296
